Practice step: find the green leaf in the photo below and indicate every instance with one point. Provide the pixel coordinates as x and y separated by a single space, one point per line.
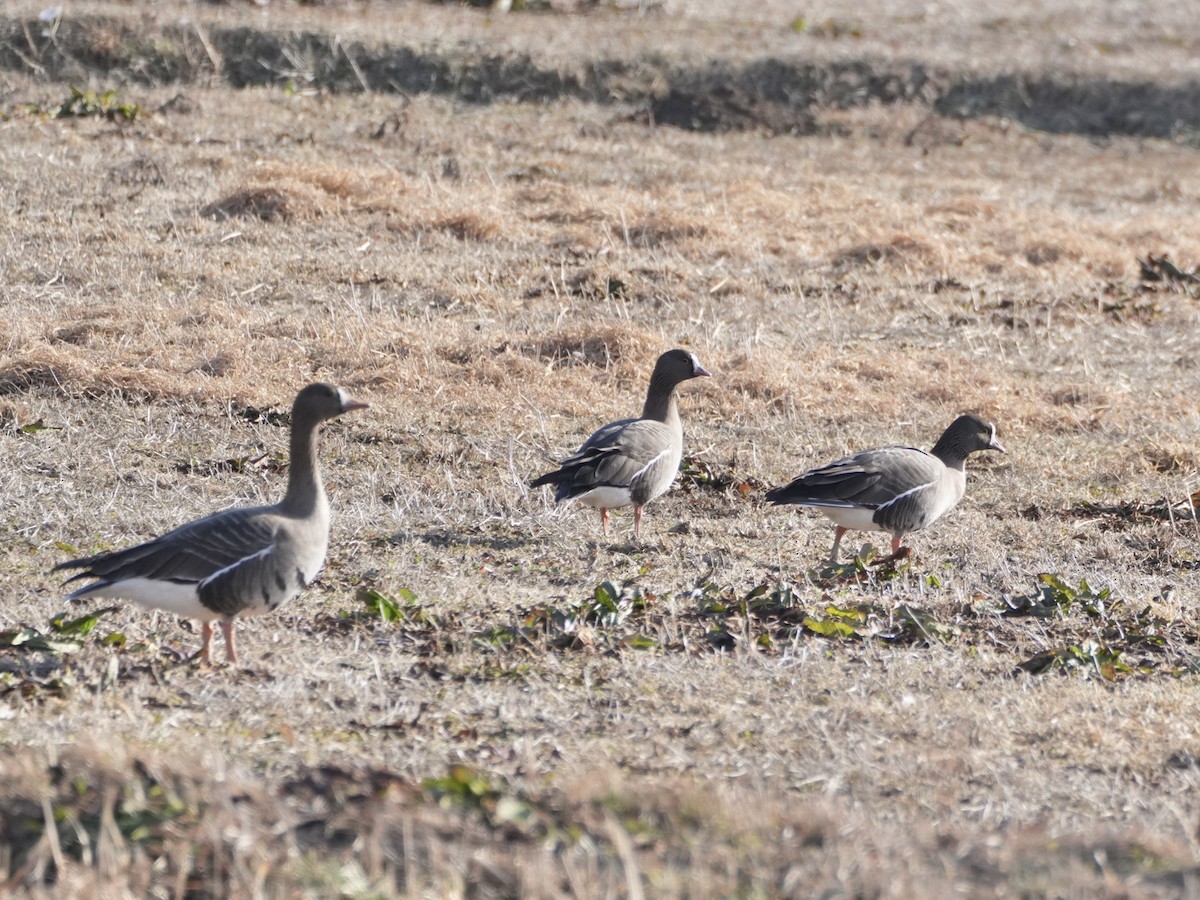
641 642
854 570
609 605
381 605
1055 590
31 639
1089 657
925 623
89 103
54 645
1040 662
81 626
854 615
1038 605
462 786
606 594
1062 592
499 636
16 637
39 425
758 591
830 627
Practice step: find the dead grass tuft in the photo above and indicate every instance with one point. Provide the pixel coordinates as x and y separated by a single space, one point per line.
659 230
87 331
1041 253
500 368
283 191
58 377
603 347
220 366
963 207
1094 396
11 415
344 184
266 203
898 251
141 171
468 227
762 388
1172 459
68 375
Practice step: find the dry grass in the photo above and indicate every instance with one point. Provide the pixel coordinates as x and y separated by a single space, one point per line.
497 280
1128 39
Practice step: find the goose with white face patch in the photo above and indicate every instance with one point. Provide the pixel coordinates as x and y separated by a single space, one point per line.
892 489
240 562
631 461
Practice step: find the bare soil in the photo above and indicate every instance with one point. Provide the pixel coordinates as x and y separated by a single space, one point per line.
488 226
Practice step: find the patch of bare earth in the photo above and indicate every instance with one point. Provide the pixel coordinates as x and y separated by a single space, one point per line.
482 695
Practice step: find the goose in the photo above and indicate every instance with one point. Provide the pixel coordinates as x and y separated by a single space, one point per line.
631 461
893 489
243 561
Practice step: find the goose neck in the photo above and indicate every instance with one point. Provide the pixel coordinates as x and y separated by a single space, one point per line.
950 452
661 404
305 490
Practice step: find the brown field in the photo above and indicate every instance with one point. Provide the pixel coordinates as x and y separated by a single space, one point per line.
491 244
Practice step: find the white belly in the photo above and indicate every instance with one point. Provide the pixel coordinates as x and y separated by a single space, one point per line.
855 518
606 497
169 596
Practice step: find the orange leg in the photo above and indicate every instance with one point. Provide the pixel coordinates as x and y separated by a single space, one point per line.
895 545
838 531
604 520
206 633
637 522
230 650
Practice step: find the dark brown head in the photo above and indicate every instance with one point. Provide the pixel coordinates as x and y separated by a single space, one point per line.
320 401
966 435
676 366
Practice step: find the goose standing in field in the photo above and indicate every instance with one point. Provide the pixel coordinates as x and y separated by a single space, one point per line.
894 489
240 562
632 461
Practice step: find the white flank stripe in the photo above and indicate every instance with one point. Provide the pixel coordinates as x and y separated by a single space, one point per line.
263 554
899 497
646 468
641 472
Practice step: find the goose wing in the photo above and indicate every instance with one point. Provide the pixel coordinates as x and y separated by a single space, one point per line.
190 553
620 455
869 480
